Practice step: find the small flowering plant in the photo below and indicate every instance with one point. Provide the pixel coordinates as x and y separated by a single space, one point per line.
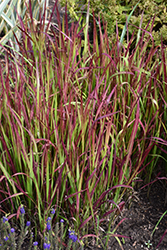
72 235
53 236
22 210
7 234
5 219
73 240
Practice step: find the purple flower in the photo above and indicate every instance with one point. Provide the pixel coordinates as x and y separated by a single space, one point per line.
71 232
46 246
49 218
72 236
22 210
35 243
62 221
48 226
5 219
6 238
12 230
53 211
28 223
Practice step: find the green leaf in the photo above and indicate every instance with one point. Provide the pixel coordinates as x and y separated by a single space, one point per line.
125 26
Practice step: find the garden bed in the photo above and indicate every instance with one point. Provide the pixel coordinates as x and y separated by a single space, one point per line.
141 219
77 130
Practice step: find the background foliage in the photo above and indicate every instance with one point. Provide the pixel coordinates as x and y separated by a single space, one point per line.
10 14
117 11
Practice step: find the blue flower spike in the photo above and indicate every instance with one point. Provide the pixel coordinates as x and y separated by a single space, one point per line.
53 211
12 230
49 218
28 223
6 238
48 226
5 219
35 244
72 236
22 210
46 245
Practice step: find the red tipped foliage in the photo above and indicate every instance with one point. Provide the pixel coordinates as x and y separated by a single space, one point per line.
75 129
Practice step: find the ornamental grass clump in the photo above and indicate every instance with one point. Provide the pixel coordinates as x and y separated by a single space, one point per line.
77 130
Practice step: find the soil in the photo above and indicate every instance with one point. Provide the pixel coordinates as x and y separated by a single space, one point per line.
141 219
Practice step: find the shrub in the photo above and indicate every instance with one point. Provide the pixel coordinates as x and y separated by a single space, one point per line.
117 11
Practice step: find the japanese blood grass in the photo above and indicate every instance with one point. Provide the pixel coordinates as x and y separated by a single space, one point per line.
76 130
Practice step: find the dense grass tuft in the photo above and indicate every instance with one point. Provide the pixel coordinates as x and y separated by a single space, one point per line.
77 130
